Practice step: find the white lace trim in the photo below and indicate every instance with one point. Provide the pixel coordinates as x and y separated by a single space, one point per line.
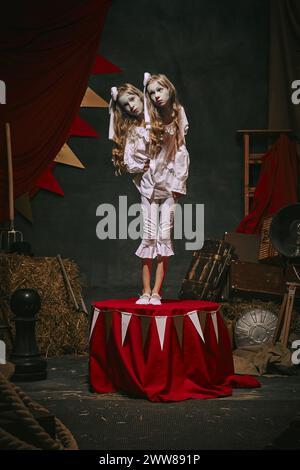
151 250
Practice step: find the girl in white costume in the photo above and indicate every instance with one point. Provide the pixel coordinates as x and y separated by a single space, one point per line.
162 180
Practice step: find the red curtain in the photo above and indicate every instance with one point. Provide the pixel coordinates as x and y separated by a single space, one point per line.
277 184
47 50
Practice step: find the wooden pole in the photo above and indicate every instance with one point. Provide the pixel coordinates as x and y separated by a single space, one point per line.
246 174
10 174
66 278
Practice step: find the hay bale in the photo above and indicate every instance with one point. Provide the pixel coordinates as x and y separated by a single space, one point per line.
60 328
234 310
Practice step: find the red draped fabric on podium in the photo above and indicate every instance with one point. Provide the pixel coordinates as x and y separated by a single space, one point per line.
168 362
47 52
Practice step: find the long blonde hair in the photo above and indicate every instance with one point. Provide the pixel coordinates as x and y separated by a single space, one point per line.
157 125
123 123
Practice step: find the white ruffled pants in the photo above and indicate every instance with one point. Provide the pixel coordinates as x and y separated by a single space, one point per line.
158 222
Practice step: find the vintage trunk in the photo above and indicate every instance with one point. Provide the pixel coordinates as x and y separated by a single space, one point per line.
255 278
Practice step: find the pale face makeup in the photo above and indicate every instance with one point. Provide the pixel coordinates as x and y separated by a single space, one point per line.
131 103
159 94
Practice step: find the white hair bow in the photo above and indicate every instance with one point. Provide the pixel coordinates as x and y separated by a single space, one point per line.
147 77
114 93
114 96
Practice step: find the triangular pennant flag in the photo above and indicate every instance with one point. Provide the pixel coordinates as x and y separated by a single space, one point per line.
102 65
108 322
92 100
215 323
68 157
47 181
202 319
195 320
161 328
23 206
125 320
178 323
145 323
81 128
95 318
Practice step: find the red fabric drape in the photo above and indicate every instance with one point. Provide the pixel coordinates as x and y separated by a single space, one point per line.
47 50
277 184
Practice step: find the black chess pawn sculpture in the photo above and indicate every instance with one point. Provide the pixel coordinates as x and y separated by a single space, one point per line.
29 365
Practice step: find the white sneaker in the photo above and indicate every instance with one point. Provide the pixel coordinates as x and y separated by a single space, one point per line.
155 299
144 299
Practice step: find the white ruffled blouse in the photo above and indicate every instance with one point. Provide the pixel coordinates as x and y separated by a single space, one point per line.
168 171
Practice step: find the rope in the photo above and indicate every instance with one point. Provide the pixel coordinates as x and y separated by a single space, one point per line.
16 406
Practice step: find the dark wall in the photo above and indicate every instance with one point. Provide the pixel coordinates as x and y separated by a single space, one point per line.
216 53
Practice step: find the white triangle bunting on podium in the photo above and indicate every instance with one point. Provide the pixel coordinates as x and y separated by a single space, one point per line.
95 318
161 329
126 317
215 323
195 320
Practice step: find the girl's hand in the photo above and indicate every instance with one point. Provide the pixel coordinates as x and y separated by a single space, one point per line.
176 195
146 166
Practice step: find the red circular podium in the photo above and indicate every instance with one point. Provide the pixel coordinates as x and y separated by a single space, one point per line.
170 352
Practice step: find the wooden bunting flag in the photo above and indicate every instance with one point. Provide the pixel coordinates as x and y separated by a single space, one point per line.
202 315
178 323
81 128
23 206
47 181
125 320
92 100
145 324
108 322
68 157
102 65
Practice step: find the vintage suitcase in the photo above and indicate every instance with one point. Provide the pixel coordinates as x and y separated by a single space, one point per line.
260 280
207 272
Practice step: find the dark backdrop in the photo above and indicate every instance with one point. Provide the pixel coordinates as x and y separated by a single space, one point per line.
216 53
